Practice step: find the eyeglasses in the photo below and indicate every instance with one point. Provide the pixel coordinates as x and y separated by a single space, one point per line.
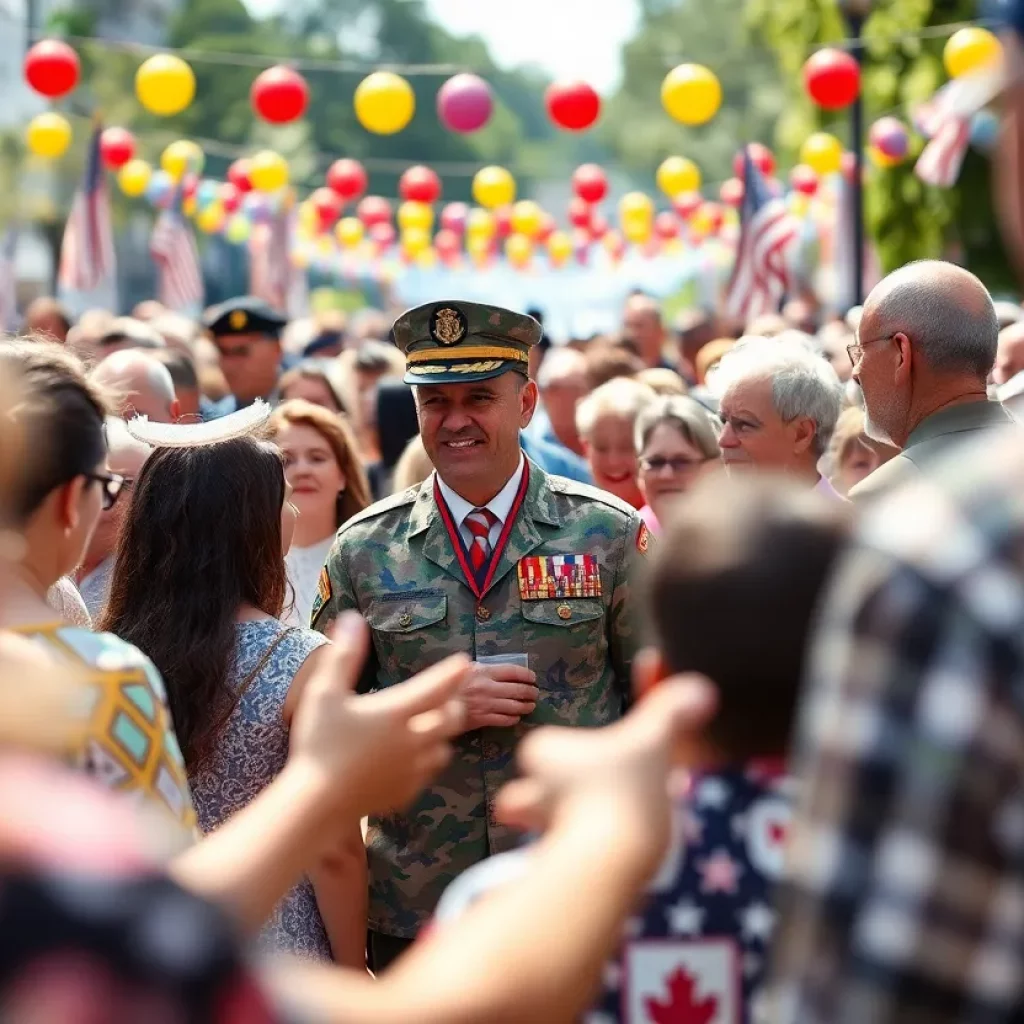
657 464
856 350
112 485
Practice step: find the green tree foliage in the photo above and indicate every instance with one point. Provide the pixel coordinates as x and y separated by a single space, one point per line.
903 66
711 32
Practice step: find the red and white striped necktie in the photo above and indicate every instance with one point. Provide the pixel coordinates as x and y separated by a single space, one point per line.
479 523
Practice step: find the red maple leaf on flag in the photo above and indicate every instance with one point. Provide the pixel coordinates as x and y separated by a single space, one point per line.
681 1007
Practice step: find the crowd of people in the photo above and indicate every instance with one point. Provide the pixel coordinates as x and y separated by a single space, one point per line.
417 666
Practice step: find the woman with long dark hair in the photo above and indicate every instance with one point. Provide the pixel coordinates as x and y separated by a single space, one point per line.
199 586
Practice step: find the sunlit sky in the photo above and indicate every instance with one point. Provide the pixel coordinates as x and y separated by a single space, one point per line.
567 38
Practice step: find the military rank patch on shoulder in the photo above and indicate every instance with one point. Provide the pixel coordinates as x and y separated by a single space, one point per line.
543 578
323 595
643 539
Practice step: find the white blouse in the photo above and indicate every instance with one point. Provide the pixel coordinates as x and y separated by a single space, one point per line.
303 566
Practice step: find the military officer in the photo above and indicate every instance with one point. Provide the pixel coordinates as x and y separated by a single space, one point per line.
247 333
531 575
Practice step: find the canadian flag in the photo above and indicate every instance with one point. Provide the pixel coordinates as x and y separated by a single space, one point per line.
682 982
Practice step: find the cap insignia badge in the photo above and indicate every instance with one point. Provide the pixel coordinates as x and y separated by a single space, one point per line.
238 319
448 326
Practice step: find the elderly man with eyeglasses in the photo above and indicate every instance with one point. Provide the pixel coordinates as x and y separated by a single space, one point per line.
925 347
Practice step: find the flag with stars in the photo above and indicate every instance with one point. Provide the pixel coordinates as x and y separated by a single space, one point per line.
696 952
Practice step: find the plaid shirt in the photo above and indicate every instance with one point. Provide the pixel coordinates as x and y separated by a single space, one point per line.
905 901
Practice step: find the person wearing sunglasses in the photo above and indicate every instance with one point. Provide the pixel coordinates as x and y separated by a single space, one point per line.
676 439
125 458
59 495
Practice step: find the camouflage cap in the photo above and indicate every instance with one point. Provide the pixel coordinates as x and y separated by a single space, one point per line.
458 342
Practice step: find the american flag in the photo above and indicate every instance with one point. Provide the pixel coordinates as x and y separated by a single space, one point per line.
173 248
87 249
270 265
8 282
760 277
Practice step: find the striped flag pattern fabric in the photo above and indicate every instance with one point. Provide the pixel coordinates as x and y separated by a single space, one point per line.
8 282
760 275
87 249
173 248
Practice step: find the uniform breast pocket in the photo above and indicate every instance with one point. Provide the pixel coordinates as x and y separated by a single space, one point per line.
410 632
567 641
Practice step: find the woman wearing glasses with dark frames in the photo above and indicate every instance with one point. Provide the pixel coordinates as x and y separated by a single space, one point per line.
58 495
676 439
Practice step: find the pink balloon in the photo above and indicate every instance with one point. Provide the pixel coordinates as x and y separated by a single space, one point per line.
453 217
464 103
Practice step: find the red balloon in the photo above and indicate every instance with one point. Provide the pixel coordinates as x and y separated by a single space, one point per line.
804 179
573 106
419 185
382 232
666 225
731 192
189 184
453 218
715 215
832 78
230 197
328 206
590 183
348 178
447 242
687 204
117 147
238 175
598 226
547 228
279 95
761 157
580 213
503 222
51 68
374 211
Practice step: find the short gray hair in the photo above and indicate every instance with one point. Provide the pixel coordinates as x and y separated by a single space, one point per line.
621 396
947 312
803 382
684 415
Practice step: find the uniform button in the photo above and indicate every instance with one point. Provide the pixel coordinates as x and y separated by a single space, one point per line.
564 611
405 620
482 613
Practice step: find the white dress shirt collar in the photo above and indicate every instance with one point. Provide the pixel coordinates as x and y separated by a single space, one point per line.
500 504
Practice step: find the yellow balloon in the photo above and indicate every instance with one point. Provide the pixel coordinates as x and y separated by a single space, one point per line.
677 175
181 156
559 247
165 84
349 231
48 135
518 249
477 245
691 94
526 218
211 220
971 49
636 205
188 206
413 216
415 240
480 224
268 171
637 228
426 259
384 103
494 187
134 176
309 219
823 153
238 229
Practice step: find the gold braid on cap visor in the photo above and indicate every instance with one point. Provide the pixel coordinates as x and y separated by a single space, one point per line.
431 355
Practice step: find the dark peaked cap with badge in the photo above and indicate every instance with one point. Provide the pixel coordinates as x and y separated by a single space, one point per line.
462 342
244 315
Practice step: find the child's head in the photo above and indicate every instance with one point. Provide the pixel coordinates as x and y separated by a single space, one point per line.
734 591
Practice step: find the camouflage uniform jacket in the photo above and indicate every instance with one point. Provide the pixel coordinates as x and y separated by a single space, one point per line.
396 564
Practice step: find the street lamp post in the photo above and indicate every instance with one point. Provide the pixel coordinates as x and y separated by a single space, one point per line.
856 12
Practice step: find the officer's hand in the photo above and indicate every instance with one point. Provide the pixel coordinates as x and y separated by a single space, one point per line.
377 751
498 695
